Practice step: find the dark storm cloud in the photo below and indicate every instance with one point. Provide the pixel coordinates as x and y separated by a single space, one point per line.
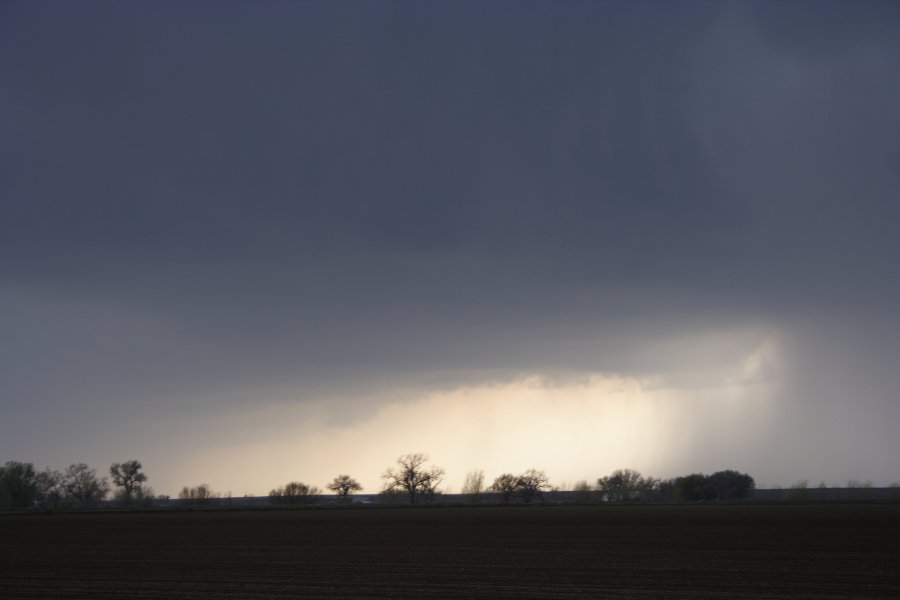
829 29
199 194
198 135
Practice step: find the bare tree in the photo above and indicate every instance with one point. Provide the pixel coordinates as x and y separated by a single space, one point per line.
620 485
473 485
344 486
83 487
294 492
527 486
127 475
197 495
413 478
505 486
531 484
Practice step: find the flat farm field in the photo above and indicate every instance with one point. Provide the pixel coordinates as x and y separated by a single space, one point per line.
728 551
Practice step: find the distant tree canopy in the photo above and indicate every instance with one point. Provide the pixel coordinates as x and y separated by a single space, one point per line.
127 476
626 484
731 485
50 490
412 477
527 486
505 486
197 495
722 485
294 492
18 485
531 484
690 488
77 487
412 480
83 487
344 486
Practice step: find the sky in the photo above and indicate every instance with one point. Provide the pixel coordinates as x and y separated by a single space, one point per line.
256 242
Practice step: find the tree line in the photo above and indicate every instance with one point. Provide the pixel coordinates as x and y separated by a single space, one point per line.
411 480
78 486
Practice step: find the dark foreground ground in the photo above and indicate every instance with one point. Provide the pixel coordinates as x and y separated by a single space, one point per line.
842 551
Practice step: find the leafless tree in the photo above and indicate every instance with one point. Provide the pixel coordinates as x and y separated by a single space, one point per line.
527 486
83 487
620 485
531 484
473 483
294 492
197 495
505 486
414 478
344 486
127 475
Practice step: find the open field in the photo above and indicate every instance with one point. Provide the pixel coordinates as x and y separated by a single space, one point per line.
839 551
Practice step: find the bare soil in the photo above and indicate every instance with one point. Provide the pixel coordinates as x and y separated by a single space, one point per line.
729 551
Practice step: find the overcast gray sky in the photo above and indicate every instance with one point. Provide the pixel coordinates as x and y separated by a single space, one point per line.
298 231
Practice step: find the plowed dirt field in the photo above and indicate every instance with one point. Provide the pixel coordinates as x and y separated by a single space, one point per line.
731 551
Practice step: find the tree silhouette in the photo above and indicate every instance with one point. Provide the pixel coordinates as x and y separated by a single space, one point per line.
413 478
344 486
731 485
505 486
83 487
127 475
527 486
295 492
50 490
197 495
17 485
624 484
531 484
473 486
